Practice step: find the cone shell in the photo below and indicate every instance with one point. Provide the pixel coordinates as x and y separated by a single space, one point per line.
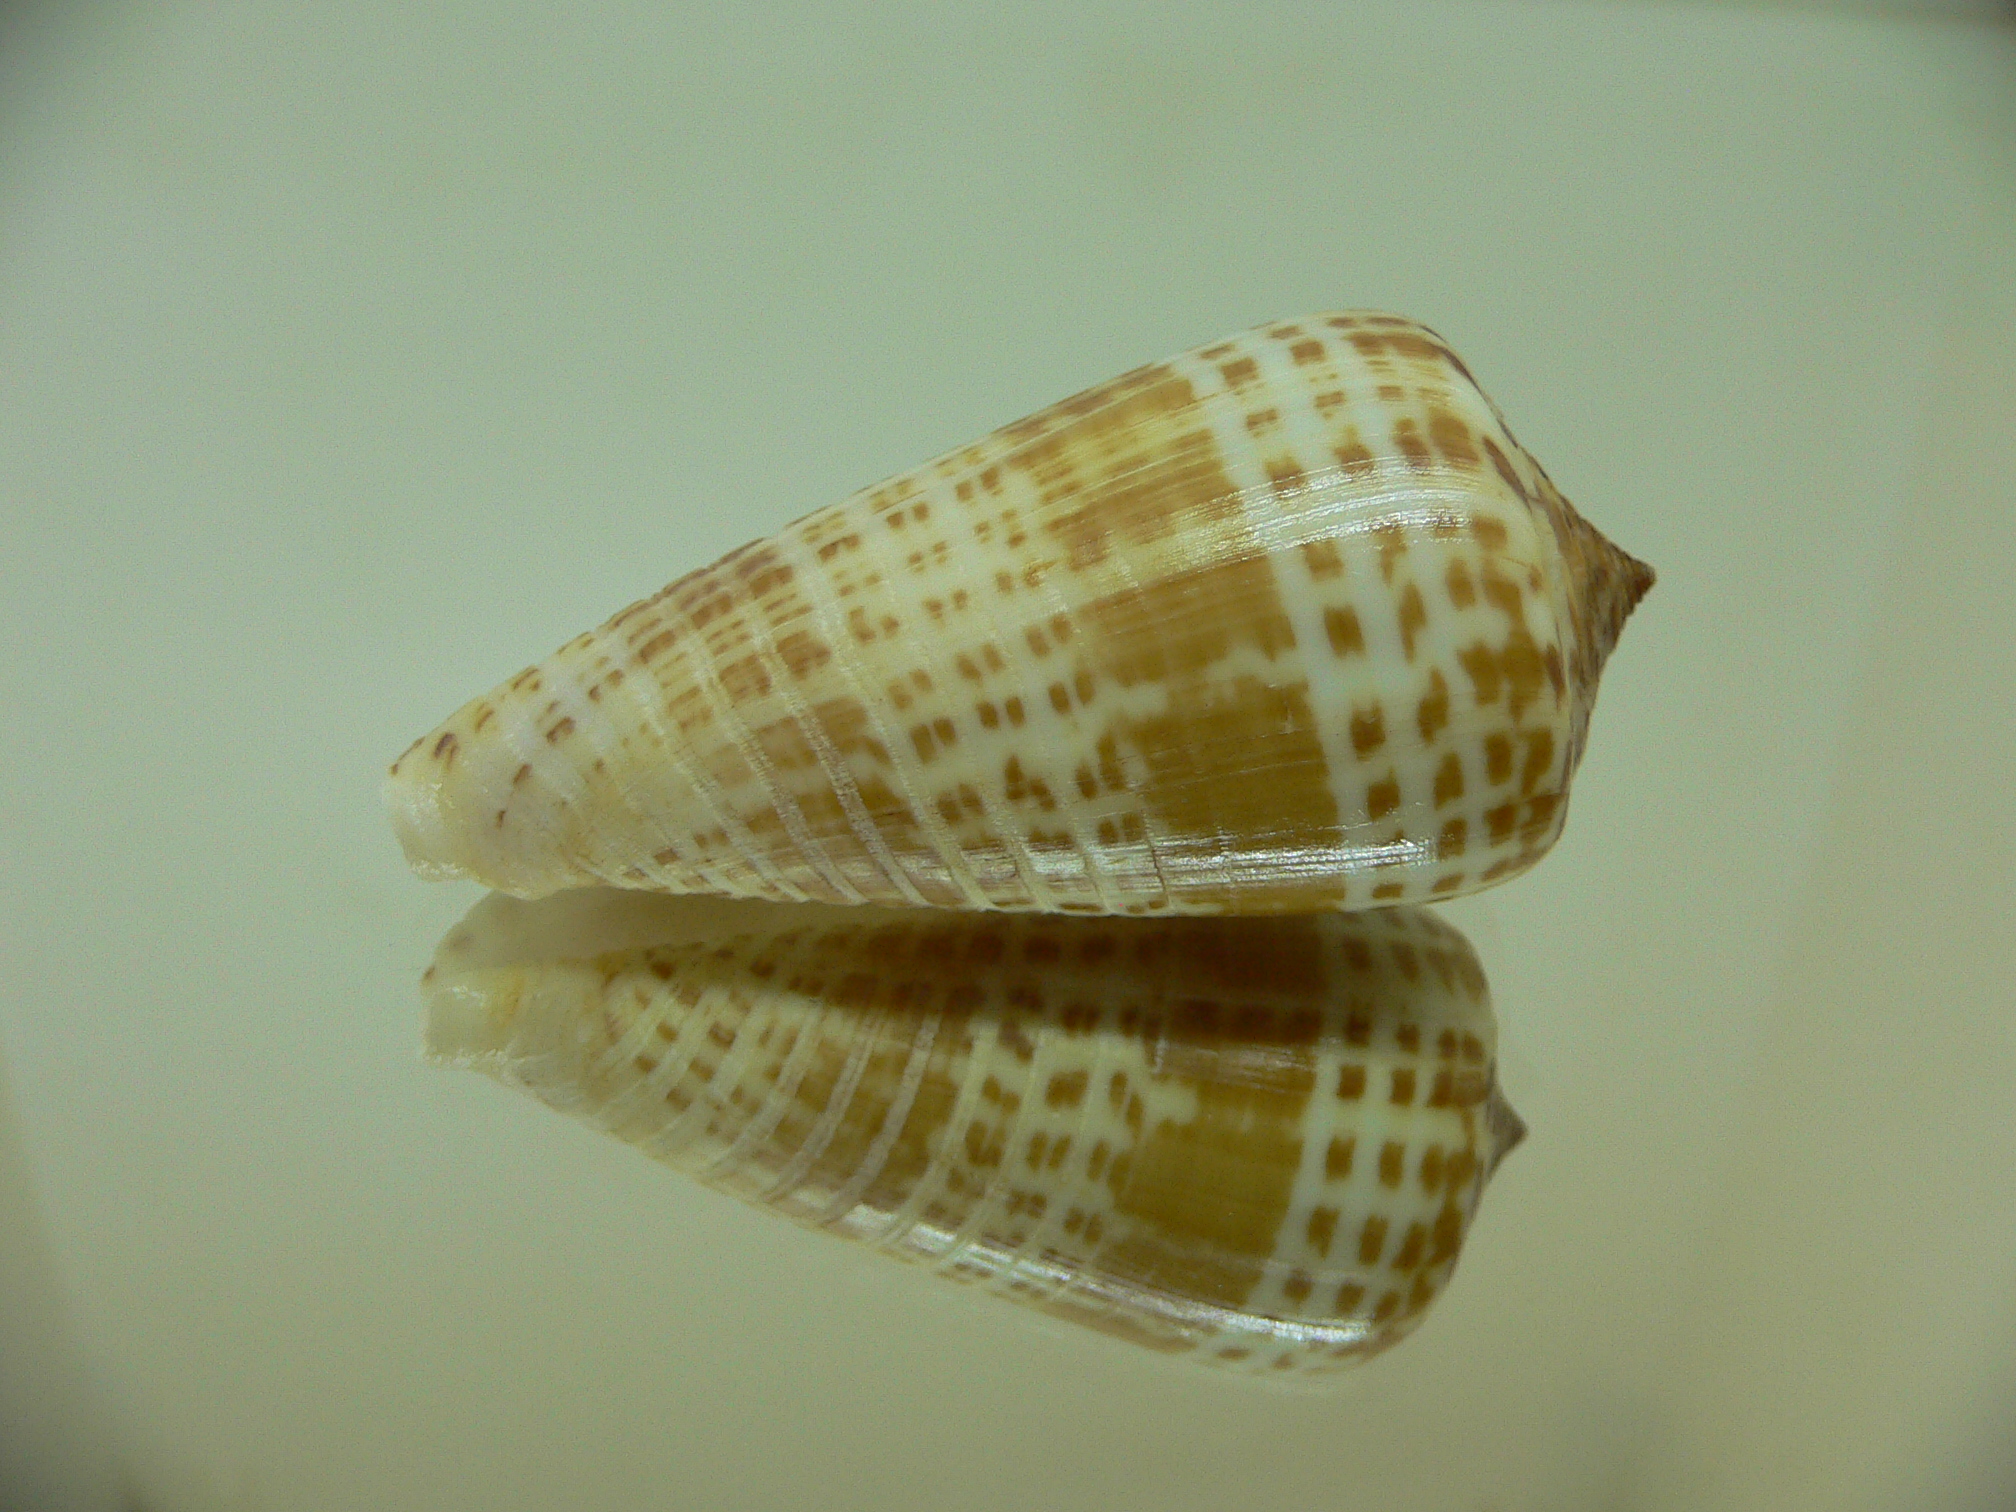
1258 1142
1288 622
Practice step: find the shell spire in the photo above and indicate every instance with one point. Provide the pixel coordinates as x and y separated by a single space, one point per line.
1287 622
1256 1142
1604 583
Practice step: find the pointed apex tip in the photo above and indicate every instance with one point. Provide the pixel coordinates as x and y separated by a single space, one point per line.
1639 580
1607 584
1619 582
1507 1129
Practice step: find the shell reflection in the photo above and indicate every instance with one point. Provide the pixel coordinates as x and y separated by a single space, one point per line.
1259 1141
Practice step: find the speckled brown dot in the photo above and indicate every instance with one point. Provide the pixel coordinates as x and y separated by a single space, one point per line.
1498 757
1322 1228
1066 1089
1383 796
1337 1156
1392 1163
1372 1240
1449 780
1413 618
1368 730
1341 627
1432 713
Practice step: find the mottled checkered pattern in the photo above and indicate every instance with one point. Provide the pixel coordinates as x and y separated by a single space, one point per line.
1258 1142
1288 622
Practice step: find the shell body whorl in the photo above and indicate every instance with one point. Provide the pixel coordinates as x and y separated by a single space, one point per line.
1259 1142
1287 622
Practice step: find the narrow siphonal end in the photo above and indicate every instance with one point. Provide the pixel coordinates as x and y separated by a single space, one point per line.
447 798
412 799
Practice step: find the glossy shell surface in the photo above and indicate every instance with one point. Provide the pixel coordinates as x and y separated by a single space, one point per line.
1256 1142
1287 622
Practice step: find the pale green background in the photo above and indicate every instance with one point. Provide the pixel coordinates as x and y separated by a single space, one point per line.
353 356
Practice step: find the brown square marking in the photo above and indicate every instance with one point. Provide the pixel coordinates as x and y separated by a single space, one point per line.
1337 1159
1346 635
1368 730
1372 1240
1322 559
1392 1163
1322 1228
1433 711
1383 796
